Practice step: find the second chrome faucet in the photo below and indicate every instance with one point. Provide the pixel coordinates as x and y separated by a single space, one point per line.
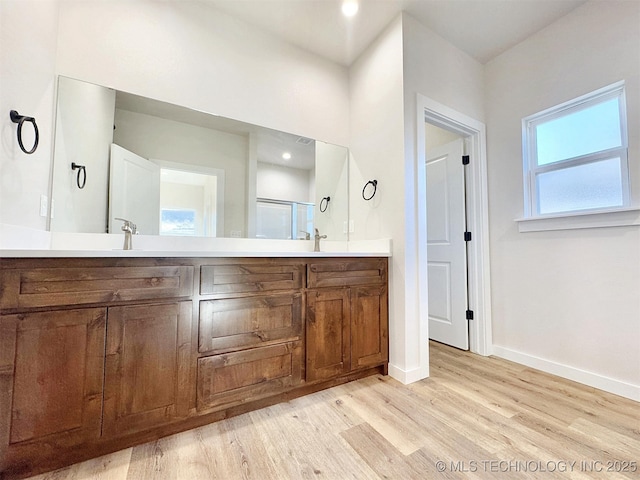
317 237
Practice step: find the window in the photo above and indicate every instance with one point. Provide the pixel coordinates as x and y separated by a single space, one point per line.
189 198
177 222
575 155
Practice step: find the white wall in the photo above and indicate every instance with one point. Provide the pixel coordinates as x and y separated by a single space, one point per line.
28 37
376 149
565 298
156 138
407 59
190 54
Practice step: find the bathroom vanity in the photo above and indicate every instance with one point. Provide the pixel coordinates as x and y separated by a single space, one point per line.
99 354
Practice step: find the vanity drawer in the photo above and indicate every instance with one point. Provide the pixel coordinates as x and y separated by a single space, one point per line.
250 278
241 377
41 287
235 323
348 272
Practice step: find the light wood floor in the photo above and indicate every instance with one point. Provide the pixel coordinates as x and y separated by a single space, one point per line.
482 417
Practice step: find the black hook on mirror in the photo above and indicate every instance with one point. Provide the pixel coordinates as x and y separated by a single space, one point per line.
325 202
375 188
20 119
81 170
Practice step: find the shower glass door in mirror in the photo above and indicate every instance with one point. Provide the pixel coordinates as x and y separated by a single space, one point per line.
279 219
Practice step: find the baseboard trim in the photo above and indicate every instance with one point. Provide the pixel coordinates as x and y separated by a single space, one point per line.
591 379
408 376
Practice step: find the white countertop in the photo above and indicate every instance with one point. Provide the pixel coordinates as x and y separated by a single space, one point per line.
65 245
33 253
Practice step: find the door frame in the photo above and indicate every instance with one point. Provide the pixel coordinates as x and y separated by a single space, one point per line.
479 288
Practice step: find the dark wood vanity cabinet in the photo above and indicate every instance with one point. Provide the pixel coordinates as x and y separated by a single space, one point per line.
347 323
89 350
102 354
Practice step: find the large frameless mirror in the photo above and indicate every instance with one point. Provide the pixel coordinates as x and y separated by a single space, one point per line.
172 170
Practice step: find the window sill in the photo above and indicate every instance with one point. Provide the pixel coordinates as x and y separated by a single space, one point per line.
570 221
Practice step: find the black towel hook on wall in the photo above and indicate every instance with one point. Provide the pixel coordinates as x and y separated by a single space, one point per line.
20 119
81 170
375 188
325 202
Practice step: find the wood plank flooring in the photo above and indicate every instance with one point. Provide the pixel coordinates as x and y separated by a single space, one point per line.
480 417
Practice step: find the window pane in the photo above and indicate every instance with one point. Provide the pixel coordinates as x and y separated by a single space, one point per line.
177 222
586 131
592 185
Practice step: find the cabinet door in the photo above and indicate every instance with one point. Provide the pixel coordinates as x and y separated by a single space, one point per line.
255 276
248 375
369 327
46 287
235 323
331 272
51 372
328 333
147 366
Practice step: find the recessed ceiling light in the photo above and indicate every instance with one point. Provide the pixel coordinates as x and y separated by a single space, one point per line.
286 155
349 8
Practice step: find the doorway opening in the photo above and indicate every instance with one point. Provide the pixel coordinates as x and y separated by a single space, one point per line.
470 133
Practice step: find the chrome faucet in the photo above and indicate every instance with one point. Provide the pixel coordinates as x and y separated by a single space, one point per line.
129 228
307 235
317 237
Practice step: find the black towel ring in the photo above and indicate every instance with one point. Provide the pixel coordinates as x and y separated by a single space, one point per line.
20 119
81 170
324 201
375 187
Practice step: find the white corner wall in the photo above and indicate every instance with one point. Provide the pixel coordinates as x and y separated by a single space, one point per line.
191 54
376 151
28 37
406 59
435 69
565 301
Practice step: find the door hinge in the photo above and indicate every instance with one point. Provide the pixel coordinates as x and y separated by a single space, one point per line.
465 159
469 314
467 236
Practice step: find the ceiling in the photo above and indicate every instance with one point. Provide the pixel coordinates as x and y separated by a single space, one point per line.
482 28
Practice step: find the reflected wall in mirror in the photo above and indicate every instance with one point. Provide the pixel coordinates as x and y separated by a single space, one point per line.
176 171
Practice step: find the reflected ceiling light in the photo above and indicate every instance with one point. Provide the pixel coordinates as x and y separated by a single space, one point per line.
286 155
350 8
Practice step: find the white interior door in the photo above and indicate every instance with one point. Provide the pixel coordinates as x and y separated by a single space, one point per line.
446 246
134 191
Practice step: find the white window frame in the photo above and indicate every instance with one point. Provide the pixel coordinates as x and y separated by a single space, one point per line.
529 145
